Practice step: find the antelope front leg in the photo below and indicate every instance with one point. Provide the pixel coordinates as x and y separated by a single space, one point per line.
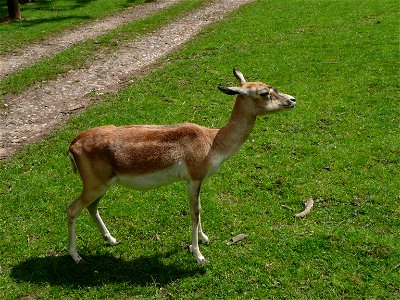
194 202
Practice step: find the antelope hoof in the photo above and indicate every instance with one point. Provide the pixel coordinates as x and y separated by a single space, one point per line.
77 259
112 241
200 258
202 261
116 242
205 239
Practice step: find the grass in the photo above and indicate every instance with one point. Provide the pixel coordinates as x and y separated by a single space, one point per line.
45 17
77 56
339 146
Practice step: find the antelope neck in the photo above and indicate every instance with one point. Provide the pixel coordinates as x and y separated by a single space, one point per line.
231 137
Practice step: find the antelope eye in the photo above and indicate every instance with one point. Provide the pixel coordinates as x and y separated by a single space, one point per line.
264 94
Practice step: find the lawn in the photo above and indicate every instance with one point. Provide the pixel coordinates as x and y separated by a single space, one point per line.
44 17
77 56
340 146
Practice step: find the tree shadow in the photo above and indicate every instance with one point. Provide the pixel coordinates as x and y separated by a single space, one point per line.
29 23
50 6
101 269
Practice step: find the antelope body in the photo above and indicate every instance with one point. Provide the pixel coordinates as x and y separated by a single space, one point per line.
145 157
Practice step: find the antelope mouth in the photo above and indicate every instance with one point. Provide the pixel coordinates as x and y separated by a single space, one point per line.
290 106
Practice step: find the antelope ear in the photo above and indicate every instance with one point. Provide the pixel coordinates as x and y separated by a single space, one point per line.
239 76
233 90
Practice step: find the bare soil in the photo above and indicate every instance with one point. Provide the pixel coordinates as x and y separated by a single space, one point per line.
37 111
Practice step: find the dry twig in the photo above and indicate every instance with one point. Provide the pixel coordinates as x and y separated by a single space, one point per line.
237 238
309 204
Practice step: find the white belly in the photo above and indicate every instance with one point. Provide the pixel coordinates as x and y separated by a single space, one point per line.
152 180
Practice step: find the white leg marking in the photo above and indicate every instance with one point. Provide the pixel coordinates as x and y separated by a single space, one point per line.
194 201
71 234
100 224
204 238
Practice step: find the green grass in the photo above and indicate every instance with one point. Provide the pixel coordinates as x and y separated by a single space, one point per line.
45 17
340 146
83 53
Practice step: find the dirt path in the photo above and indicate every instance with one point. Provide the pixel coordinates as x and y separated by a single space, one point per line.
38 110
33 53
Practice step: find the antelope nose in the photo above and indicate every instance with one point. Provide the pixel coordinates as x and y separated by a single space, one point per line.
292 101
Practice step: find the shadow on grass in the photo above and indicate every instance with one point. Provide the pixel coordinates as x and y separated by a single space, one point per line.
101 269
34 22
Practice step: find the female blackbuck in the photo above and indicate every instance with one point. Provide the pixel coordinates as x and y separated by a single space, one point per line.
145 157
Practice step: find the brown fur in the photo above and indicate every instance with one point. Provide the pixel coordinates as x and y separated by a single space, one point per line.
138 150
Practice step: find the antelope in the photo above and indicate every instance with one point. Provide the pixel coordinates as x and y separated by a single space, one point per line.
148 156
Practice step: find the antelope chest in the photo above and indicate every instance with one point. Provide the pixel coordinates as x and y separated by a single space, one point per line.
215 164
